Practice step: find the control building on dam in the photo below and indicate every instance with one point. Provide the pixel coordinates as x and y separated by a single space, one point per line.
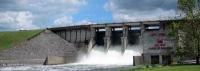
150 35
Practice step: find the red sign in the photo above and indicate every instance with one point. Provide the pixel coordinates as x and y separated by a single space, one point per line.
159 40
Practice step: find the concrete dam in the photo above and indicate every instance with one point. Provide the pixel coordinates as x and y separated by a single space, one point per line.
151 38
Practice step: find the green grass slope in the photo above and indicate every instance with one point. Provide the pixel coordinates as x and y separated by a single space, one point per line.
9 39
171 68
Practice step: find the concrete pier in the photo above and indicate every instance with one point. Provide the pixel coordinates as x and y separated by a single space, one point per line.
160 59
124 39
92 39
107 38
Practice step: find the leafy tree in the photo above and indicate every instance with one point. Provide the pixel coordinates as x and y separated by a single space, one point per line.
187 31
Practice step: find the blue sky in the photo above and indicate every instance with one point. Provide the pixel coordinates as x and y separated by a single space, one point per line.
36 14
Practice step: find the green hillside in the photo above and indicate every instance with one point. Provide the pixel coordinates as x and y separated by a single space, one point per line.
9 39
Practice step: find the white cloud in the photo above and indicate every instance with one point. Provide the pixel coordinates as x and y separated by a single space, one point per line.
24 21
31 14
53 7
85 22
7 17
63 21
158 14
140 10
75 2
17 20
69 21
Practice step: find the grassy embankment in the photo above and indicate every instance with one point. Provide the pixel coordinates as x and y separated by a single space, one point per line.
11 38
170 68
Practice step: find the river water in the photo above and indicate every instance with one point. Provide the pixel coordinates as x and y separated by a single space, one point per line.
69 67
96 60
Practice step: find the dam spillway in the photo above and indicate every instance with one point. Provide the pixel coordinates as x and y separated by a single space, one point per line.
150 35
113 56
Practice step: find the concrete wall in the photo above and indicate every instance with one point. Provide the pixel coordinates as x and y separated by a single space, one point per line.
74 35
39 48
53 60
156 43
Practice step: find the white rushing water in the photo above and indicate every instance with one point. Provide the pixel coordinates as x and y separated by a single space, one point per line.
113 57
96 60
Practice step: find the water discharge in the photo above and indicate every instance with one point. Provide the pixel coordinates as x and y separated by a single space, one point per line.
97 56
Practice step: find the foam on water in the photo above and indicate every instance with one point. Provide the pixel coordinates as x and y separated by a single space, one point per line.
113 57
